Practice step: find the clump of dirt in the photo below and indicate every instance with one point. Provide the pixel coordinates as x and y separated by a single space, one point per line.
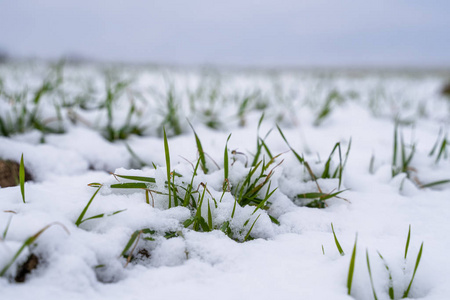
144 253
446 89
26 268
9 173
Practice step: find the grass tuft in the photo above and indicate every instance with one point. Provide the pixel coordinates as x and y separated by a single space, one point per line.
318 198
170 112
327 108
443 141
402 164
419 256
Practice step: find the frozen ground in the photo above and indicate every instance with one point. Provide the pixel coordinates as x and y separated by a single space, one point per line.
295 259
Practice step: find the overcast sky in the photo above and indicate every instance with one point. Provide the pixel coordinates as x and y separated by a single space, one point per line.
292 32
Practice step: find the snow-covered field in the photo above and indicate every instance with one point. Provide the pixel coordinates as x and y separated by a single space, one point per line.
247 215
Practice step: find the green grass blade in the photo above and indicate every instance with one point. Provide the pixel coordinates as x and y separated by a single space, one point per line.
299 158
311 195
391 281
129 185
258 151
274 220
394 155
266 148
316 204
370 275
22 178
242 109
251 228
311 174
5 232
434 183
225 228
436 143
226 162
27 242
403 153
326 108
80 218
188 222
203 224
351 268
409 158
147 197
407 241
264 201
137 178
198 213
240 191
188 194
174 190
347 153
209 217
338 245
3 129
130 255
260 121
419 256
130 242
326 170
102 215
234 208
201 153
258 144
339 169
318 195
442 150
250 174
167 154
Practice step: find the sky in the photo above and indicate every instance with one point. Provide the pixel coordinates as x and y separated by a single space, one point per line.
233 32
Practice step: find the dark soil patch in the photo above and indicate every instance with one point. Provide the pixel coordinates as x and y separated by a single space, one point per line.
26 268
9 173
446 89
144 253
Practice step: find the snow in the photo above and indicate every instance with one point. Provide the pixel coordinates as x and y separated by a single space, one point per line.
297 258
